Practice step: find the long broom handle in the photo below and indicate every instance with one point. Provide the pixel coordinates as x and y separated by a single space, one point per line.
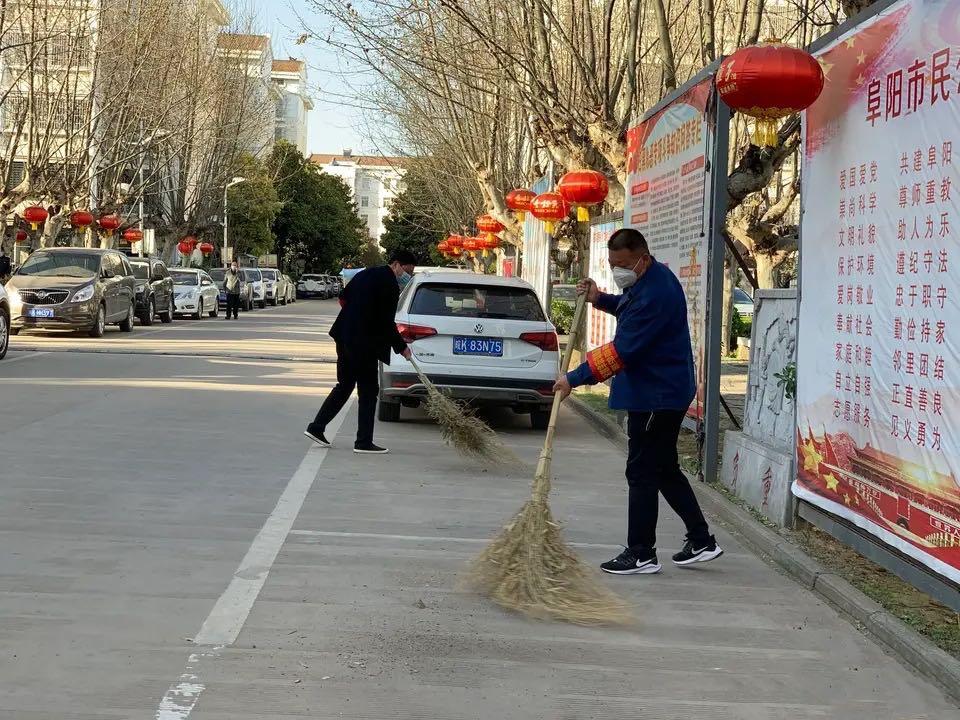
541 482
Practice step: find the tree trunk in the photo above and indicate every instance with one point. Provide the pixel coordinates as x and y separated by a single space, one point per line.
730 274
765 267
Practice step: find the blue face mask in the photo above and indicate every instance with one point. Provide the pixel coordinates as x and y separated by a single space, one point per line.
404 279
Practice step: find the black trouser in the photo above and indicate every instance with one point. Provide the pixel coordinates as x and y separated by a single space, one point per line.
652 468
233 304
354 370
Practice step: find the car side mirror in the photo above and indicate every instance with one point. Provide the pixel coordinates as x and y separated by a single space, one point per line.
106 274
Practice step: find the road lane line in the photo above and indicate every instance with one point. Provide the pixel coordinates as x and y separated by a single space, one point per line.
427 538
226 619
29 356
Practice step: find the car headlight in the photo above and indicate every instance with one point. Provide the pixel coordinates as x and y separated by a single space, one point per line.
83 294
15 300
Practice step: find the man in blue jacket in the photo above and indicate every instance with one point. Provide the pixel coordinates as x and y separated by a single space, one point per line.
651 363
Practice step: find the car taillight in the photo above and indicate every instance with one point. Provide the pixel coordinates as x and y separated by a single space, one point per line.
546 341
412 333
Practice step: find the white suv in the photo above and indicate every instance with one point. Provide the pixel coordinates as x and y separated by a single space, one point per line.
480 338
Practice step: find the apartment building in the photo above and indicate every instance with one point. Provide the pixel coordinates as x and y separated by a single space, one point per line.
294 104
375 182
254 56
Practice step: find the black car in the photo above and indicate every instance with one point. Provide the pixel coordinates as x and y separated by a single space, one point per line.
154 290
73 289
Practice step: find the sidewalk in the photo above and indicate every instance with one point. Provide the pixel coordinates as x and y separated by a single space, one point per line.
360 616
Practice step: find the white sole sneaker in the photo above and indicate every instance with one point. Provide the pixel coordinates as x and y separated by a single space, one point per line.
705 556
384 451
317 440
646 569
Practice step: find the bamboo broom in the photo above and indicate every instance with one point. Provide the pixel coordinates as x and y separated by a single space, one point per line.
528 567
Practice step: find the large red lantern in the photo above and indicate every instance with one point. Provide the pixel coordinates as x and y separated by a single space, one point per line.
132 235
35 215
550 208
471 245
519 201
489 225
443 247
184 247
490 242
21 237
583 189
768 82
190 240
455 243
206 248
81 219
109 223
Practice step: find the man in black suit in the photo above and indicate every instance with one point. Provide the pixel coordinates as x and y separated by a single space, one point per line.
365 332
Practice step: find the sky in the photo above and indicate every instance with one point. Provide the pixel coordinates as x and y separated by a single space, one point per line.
334 123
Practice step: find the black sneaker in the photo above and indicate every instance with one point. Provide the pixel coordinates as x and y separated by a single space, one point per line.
318 437
369 449
631 563
698 552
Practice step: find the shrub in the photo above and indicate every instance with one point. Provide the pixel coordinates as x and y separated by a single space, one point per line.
562 316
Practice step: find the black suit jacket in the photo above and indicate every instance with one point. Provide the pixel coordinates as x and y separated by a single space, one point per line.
366 324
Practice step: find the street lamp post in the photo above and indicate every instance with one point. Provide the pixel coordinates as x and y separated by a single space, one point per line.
235 181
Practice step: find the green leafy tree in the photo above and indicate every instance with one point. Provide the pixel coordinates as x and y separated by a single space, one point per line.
252 206
318 223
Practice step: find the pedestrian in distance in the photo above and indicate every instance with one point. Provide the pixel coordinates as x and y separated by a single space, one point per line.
231 284
651 362
5 267
364 332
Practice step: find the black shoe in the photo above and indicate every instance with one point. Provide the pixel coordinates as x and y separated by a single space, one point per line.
698 552
369 449
318 437
630 563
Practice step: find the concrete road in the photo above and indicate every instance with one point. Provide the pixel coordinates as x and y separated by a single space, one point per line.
173 548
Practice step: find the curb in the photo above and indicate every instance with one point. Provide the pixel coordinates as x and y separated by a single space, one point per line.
911 647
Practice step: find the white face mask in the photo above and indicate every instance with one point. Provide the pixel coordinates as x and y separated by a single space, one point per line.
625 277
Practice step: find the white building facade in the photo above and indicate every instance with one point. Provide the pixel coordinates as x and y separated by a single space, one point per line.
294 104
374 181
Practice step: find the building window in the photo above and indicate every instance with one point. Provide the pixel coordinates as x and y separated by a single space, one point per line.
364 201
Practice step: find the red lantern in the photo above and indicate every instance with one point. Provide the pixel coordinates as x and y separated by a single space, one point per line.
191 241
108 223
455 243
132 235
471 245
768 82
21 237
443 247
81 219
206 248
519 201
489 225
184 247
35 215
550 208
583 189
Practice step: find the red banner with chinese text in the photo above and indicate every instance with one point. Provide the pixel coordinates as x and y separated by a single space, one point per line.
878 358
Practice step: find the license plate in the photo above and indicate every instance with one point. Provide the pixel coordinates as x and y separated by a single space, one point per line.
492 347
40 312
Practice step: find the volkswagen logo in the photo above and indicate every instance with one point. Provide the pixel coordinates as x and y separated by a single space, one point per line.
478 328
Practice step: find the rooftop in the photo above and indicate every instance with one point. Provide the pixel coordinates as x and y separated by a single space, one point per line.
348 158
233 41
288 66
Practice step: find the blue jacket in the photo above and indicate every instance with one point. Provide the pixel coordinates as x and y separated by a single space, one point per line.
650 358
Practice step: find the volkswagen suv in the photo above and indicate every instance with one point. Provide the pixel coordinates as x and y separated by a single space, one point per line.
73 289
480 338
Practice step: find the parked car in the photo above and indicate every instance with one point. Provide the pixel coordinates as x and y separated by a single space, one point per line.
282 290
258 293
480 338
312 285
195 292
154 290
4 322
743 303
246 289
291 289
271 287
73 289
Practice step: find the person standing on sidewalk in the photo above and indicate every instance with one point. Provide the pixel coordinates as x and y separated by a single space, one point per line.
651 363
231 284
365 332
5 266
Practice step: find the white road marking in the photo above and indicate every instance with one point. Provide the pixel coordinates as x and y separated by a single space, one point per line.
232 609
29 356
426 538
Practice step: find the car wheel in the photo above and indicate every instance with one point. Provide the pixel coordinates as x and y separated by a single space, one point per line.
216 308
262 304
126 325
99 323
166 316
147 318
388 411
4 333
199 313
540 419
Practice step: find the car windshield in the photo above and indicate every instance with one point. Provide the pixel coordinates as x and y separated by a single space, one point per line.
741 296
252 275
565 292
218 274
184 278
141 271
477 301
48 264
269 274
